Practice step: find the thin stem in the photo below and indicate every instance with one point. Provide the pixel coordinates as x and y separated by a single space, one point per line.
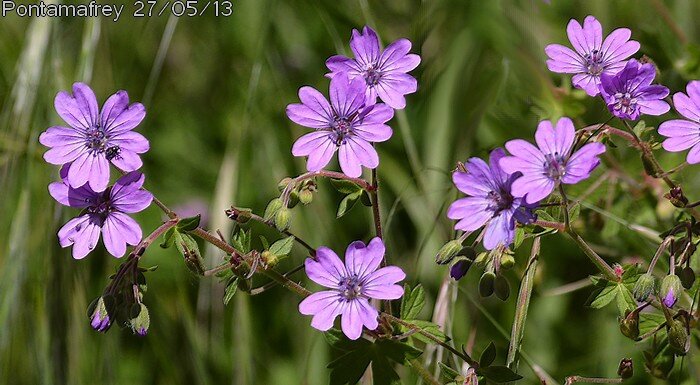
593 380
522 306
431 337
270 285
602 266
422 372
324 174
551 225
659 252
217 269
171 214
565 207
374 194
596 131
232 212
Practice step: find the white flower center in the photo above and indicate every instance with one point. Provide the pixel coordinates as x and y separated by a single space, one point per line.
626 103
350 287
594 62
554 166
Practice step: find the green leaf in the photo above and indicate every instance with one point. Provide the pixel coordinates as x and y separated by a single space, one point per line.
499 374
189 224
241 241
168 238
412 301
488 356
231 287
447 373
282 247
574 212
650 321
607 291
428 327
348 203
358 354
345 186
519 237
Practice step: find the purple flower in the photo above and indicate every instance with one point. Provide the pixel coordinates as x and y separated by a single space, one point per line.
684 134
103 212
344 124
100 319
551 162
352 285
630 93
94 139
490 201
385 73
594 56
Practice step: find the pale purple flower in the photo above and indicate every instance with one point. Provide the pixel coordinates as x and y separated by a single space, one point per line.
684 134
351 287
384 72
103 212
100 319
94 138
593 56
551 162
630 93
490 201
345 125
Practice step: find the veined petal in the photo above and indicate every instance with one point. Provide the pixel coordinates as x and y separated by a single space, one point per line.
302 115
316 302
118 230
499 231
361 259
327 270
365 46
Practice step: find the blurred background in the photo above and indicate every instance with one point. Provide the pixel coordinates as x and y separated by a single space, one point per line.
215 90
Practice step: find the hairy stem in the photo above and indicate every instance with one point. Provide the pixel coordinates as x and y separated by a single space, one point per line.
422 372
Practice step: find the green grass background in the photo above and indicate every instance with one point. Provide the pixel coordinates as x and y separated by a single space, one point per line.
215 90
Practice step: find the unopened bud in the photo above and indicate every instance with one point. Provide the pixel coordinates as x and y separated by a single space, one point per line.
487 284
629 325
141 321
687 276
671 288
649 166
676 197
239 215
644 287
626 368
507 261
448 251
283 183
305 197
282 219
501 288
99 313
272 208
293 199
460 268
269 259
678 338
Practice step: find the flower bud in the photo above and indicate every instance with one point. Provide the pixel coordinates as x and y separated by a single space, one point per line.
239 215
629 325
448 252
99 315
676 197
272 208
140 321
293 199
282 219
507 261
501 287
678 338
687 276
644 287
460 268
283 184
671 288
305 197
487 284
626 368
269 259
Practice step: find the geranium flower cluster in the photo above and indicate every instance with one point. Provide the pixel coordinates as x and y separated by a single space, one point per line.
93 139
353 119
349 124
503 193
